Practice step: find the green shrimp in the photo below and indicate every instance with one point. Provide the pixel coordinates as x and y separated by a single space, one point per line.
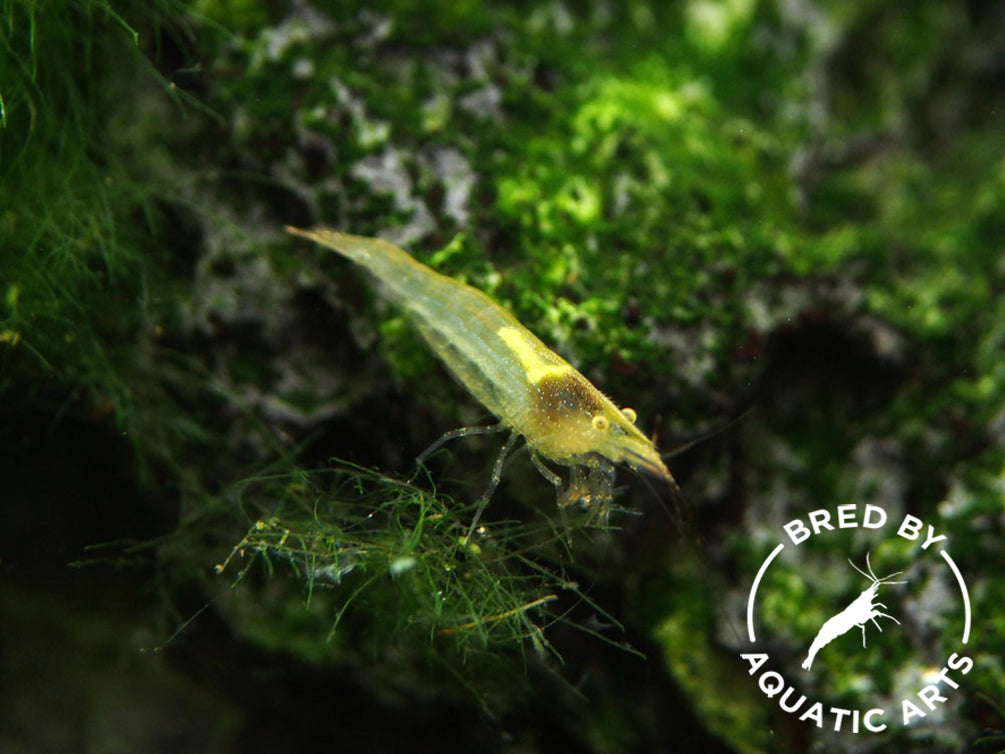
535 393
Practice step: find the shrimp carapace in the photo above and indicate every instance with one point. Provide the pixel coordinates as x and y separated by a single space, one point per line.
535 392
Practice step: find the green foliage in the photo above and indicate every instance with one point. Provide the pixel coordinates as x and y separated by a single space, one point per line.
82 252
351 564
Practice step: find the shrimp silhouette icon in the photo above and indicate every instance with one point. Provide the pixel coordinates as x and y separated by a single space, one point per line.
862 609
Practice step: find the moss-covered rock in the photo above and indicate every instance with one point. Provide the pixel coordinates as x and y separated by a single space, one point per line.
706 208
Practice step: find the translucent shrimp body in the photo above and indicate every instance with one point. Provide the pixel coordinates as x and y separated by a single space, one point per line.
534 391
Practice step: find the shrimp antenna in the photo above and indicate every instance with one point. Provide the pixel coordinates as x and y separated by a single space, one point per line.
678 511
704 435
659 499
872 576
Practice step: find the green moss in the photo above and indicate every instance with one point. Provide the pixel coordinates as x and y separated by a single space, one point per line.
723 699
351 564
240 14
671 195
79 258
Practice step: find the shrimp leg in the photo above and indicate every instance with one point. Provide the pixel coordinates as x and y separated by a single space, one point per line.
455 434
483 501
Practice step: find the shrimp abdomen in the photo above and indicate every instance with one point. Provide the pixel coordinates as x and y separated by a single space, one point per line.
461 324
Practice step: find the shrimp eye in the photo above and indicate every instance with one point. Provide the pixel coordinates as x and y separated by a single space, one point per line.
630 414
600 423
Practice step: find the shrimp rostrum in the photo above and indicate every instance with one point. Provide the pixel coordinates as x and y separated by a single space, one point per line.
535 393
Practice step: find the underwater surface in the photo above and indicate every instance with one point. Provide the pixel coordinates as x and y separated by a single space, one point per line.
762 243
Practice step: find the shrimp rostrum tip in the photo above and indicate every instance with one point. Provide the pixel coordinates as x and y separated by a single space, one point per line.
534 392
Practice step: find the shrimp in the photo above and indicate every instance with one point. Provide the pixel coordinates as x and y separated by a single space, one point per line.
861 610
535 393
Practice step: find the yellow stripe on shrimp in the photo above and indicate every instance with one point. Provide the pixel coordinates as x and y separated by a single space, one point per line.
535 392
536 369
